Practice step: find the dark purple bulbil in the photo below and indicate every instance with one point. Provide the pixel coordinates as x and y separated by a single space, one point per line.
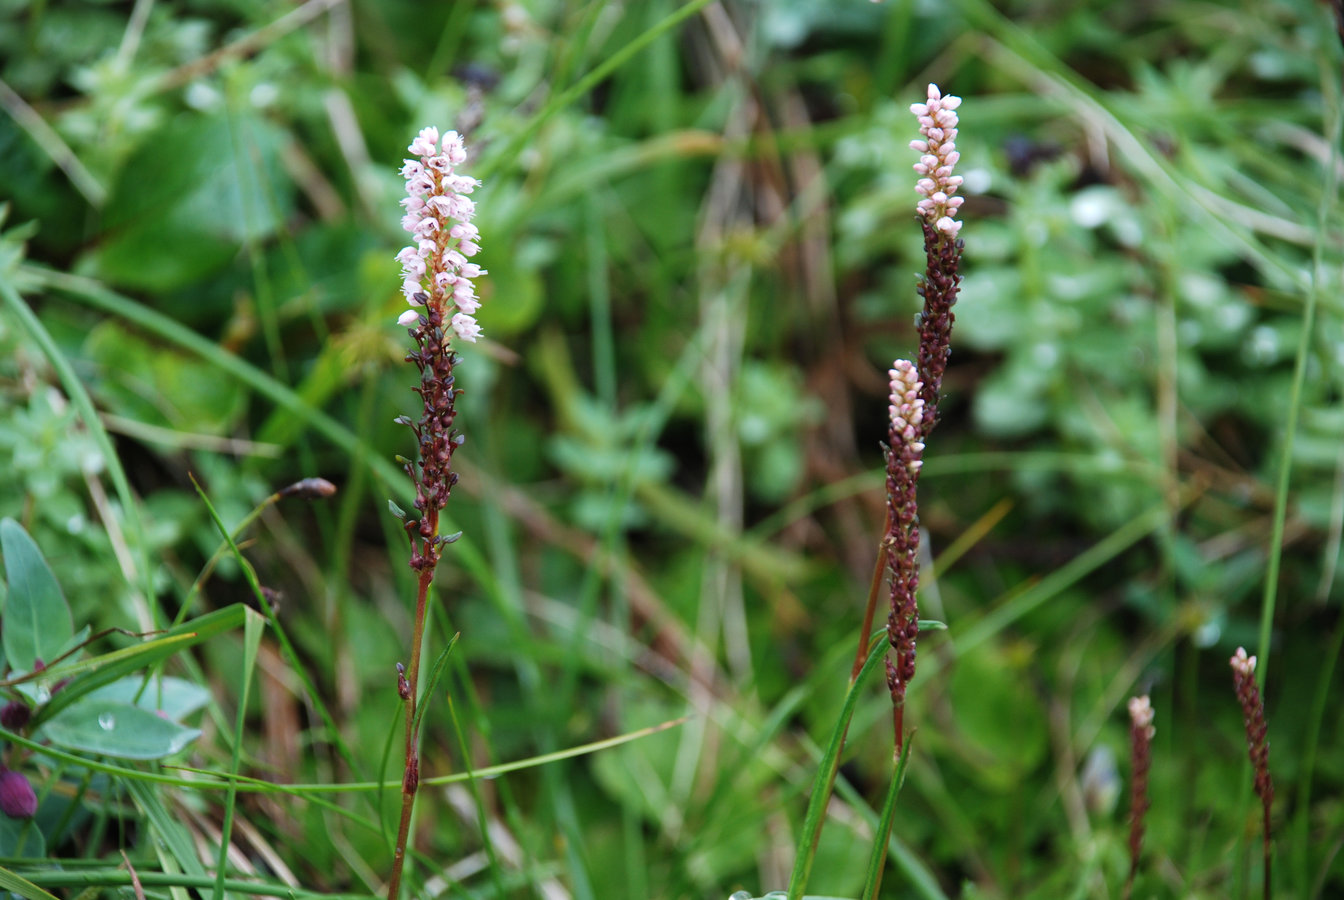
14 715
17 799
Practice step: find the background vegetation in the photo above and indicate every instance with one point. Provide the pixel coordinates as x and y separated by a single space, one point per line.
698 221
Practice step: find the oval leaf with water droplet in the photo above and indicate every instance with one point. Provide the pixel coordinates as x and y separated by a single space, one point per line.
177 697
116 729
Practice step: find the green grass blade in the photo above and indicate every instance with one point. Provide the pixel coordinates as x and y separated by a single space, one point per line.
252 630
585 84
392 478
1103 551
482 817
176 847
94 672
878 861
21 886
440 663
830 762
83 403
282 637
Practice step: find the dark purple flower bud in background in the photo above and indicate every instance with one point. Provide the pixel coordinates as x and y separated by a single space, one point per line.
17 799
403 686
309 489
15 714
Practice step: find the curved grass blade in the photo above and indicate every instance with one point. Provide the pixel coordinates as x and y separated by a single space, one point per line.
286 646
483 818
21 886
101 670
252 629
878 861
83 403
91 294
826 769
440 663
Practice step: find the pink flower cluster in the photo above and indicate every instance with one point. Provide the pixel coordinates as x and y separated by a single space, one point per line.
436 270
907 414
1242 664
938 149
1141 716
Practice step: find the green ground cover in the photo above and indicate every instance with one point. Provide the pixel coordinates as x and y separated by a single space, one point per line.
699 225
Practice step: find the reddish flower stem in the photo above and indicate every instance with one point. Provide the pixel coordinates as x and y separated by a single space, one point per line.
410 780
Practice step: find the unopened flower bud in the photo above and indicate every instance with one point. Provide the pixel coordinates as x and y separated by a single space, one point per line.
309 489
15 714
17 799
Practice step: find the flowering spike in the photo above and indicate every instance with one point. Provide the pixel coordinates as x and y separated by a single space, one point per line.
937 208
437 283
438 215
1141 733
904 459
1253 715
938 125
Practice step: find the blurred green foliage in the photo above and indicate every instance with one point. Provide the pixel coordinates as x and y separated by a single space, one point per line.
701 264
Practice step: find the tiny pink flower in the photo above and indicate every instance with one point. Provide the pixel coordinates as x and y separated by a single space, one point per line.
408 318
425 141
466 327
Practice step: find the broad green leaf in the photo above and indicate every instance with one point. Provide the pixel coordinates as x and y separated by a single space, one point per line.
20 839
121 730
217 182
36 619
160 385
175 697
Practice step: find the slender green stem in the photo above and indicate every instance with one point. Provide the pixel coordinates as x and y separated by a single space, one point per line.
107 878
870 610
410 779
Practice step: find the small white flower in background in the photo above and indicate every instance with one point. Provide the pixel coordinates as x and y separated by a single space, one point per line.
938 149
435 268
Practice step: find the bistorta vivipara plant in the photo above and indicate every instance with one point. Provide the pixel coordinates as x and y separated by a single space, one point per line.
916 387
905 453
1257 746
438 283
1141 732
912 412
